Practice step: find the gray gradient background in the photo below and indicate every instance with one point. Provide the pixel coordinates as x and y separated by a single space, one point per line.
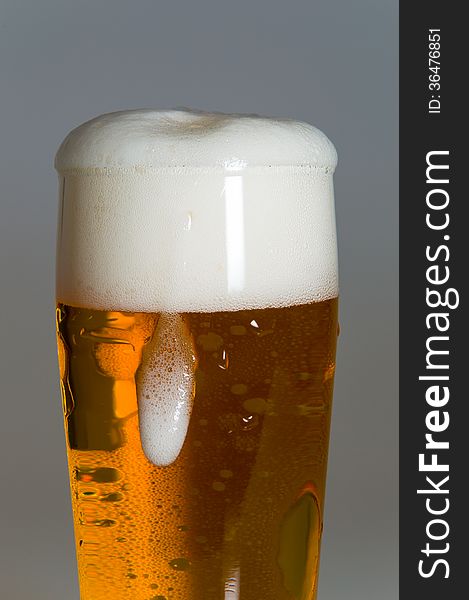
330 62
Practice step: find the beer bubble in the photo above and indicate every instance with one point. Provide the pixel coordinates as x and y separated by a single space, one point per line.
238 330
62 353
210 341
256 405
114 497
218 486
179 564
226 473
104 522
329 373
239 389
100 475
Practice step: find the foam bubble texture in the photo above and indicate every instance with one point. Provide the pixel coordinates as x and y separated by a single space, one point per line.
177 212
165 390
151 138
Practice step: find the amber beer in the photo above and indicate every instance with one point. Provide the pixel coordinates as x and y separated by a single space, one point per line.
197 414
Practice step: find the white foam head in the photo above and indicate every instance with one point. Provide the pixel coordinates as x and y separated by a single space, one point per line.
186 211
183 211
188 138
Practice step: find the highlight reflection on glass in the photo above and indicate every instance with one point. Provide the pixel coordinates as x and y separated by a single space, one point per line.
234 223
232 585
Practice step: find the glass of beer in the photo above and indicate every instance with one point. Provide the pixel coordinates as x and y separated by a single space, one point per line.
196 323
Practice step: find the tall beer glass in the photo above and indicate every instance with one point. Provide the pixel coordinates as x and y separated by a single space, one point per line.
196 325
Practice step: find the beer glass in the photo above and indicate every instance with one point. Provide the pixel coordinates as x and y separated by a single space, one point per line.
196 325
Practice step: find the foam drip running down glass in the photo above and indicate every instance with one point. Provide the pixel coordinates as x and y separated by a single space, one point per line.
197 295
